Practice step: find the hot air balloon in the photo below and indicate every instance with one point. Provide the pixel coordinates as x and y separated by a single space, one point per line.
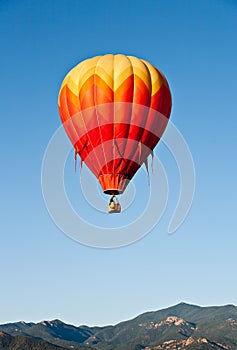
114 109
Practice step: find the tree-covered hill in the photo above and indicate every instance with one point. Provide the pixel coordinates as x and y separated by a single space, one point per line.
9 342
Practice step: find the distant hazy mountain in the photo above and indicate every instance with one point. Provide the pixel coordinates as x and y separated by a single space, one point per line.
181 326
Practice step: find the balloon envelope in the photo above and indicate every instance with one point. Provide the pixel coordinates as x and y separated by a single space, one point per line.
114 109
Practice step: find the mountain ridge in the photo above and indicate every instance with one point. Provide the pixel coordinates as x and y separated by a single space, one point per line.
184 326
180 304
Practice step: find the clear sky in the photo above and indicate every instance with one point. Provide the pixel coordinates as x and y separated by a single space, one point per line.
46 275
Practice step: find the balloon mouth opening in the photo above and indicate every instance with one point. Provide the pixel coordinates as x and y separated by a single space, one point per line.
114 184
113 192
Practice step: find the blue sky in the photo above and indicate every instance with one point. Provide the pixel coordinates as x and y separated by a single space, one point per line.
45 275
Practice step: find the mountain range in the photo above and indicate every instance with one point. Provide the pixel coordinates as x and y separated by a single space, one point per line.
182 326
